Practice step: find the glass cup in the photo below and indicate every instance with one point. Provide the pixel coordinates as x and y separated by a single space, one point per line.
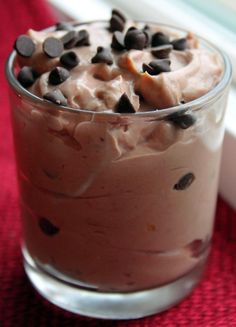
117 209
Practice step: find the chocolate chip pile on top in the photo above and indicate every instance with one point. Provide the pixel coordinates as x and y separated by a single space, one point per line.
122 40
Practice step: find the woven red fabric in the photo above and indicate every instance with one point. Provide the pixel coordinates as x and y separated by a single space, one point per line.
213 303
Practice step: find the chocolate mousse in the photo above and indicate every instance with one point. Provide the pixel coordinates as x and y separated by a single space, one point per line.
117 202
155 67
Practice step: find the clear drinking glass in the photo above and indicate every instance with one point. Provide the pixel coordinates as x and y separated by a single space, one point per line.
117 209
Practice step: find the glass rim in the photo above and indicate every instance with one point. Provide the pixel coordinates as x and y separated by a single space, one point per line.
193 105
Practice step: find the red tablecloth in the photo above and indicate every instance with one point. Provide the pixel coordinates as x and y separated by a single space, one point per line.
213 303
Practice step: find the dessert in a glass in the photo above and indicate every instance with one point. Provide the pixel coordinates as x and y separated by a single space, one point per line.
118 127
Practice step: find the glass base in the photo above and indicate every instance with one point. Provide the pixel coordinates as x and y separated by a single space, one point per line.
110 305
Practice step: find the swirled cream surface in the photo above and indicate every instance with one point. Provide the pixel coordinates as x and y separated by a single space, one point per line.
153 66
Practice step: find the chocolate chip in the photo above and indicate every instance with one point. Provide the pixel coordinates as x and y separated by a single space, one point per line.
156 67
103 55
47 227
184 182
135 39
149 69
163 51
180 44
58 75
69 60
68 37
146 27
124 105
82 38
148 35
132 28
71 44
118 41
160 38
119 14
198 247
56 97
27 76
116 24
24 46
181 120
64 26
53 47
162 64
50 173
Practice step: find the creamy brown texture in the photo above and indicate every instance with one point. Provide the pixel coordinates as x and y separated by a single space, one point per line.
108 183
98 87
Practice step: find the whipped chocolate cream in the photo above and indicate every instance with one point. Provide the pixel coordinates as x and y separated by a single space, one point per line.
111 202
154 67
